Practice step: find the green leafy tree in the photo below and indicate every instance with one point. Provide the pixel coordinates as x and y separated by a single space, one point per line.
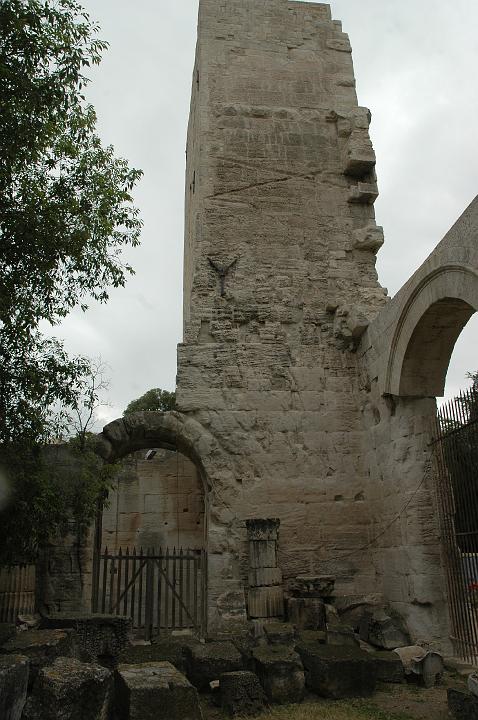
66 216
154 399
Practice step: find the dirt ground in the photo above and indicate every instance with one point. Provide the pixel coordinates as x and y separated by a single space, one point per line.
390 702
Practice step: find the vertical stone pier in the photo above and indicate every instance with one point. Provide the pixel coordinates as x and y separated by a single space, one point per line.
266 594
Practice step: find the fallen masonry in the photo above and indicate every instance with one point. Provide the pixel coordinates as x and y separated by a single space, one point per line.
155 691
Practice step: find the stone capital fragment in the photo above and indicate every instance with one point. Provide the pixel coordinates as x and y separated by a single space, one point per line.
368 238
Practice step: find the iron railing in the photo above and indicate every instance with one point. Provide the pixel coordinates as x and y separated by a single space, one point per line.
456 452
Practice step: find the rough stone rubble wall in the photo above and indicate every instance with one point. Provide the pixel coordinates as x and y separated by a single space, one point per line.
281 180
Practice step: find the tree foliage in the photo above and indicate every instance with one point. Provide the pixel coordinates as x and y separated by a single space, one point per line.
66 209
66 217
154 399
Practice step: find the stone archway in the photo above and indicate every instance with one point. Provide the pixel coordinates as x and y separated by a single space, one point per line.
427 330
176 431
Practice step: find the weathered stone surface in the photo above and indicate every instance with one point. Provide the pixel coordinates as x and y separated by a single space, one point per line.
306 613
155 691
42 647
263 528
379 629
97 635
263 554
311 636
265 602
13 685
210 660
388 666
241 693
7 632
363 193
279 633
462 705
338 634
71 690
265 577
337 672
167 649
280 672
312 586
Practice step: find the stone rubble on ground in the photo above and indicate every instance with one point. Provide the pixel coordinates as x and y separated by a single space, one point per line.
14 671
70 690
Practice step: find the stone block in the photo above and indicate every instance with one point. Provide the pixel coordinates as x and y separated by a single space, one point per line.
155 691
369 238
265 602
312 636
462 705
265 577
312 586
279 633
307 613
363 193
71 690
262 554
359 155
210 660
42 648
263 529
98 636
379 629
338 634
7 632
13 685
388 666
241 693
280 672
168 649
337 671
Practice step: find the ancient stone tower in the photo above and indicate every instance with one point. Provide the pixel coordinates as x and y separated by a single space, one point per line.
279 282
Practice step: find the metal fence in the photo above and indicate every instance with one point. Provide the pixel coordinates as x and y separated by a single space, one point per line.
456 452
161 591
17 592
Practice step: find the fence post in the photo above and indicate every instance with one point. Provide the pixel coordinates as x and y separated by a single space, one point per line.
148 615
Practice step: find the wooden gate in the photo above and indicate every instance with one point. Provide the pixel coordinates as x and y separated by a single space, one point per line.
160 591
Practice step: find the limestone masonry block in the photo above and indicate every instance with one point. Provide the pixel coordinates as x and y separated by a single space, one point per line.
263 529
13 686
262 554
313 586
71 690
281 673
307 613
337 672
155 691
265 602
265 577
363 193
96 635
42 647
462 705
208 661
368 238
278 633
241 693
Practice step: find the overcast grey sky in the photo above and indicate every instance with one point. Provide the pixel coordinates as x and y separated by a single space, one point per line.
416 66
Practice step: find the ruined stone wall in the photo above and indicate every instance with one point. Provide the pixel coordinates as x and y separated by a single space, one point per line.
284 185
155 503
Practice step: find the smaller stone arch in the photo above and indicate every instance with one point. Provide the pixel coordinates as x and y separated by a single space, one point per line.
169 430
436 312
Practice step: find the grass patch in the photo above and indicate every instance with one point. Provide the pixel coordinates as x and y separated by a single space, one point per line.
324 710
